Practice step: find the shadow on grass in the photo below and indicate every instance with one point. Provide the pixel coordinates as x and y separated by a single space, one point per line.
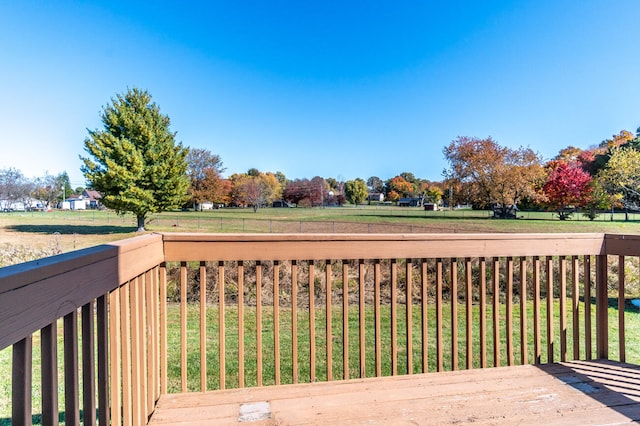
73 229
36 419
612 302
628 307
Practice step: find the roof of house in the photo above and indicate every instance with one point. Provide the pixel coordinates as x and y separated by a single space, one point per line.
93 195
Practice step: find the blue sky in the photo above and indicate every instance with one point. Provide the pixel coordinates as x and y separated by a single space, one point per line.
331 89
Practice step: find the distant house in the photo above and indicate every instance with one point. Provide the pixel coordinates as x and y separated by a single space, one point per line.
75 203
280 204
205 205
410 202
430 206
94 198
375 196
28 204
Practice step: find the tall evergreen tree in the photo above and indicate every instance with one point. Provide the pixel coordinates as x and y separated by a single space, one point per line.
135 161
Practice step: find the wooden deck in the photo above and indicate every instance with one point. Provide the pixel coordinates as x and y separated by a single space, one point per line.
576 393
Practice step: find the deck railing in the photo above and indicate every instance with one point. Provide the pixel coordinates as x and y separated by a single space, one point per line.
196 312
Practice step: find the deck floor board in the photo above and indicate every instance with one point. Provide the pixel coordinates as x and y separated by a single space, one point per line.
581 392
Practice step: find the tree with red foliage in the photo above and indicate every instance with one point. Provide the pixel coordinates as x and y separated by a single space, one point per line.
307 193
568 186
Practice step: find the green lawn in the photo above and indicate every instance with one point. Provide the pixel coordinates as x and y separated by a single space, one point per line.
84 228
231 343
231 359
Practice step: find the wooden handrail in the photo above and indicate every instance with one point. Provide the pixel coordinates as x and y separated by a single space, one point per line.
120 292
222 247
35 294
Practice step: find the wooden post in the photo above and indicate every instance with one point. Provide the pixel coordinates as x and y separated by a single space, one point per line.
454 313
21 382
312 322
621 338
602 306
88 366
49 360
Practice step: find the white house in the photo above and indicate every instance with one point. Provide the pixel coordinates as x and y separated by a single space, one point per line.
75 203
375 196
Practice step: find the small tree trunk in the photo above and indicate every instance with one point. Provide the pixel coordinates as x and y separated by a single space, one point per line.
140 223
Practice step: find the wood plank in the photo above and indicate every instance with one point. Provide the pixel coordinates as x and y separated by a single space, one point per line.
183 326
221 326
345 319
259 322
71 379
550 327
563 309
276 320
575 304
469 312
424 299
537 340
621 308
241 325
88 364
483 312
509 311
409 315
203 327
126 356
394 317
496 312
21 381
102 342
312 322
137 347
115 357
377 317
524 349
294 321
588 346
196 247
49 361
453 301
361 316
602 306
328 318
163 328
597 392
439 325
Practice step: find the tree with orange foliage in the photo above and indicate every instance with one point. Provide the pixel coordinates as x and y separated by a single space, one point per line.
211 188
204 169
255 189
496 177
400 186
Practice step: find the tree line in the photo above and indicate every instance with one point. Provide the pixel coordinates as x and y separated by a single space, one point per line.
137 165
47 190
488 175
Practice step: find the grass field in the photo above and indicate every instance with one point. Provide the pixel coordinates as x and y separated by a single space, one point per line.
37 232
231 326
632 329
